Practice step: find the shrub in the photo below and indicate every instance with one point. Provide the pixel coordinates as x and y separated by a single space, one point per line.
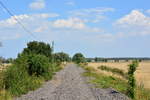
78 58
61 57
38 65
131 79
27 73
16 80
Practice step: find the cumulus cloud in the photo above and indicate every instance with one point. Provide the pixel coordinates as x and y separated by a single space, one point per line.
37 4
9 28
44 28
74 23
12 20
136 23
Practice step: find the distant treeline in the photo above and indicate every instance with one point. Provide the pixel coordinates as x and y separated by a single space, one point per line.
98 59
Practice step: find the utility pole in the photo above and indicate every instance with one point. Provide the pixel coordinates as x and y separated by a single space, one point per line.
53 59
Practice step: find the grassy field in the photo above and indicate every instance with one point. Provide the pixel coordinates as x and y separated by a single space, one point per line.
3 66
142 74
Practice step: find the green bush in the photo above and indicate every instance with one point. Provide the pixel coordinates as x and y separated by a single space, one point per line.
27 73
61 57
17 80
39 65
78 58
131 79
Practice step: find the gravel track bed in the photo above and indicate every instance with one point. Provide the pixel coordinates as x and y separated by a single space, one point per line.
69 84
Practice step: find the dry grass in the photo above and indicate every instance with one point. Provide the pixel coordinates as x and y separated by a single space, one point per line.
4 66
142 74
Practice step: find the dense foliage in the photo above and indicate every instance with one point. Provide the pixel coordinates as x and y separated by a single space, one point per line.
61 57
41 48
32 67
78 58
131 79
38 65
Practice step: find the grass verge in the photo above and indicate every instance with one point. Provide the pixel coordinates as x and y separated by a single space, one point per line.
104 81
114 71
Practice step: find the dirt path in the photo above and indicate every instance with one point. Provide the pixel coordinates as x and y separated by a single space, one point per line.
68 84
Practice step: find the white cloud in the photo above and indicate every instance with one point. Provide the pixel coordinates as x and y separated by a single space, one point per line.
91 14
10 28
44 28
74 23
70 3
37 4
135 23
12 20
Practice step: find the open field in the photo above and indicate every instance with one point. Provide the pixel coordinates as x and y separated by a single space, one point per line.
142 74
3 66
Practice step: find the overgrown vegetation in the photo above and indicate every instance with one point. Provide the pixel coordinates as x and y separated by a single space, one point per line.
61 57
114 71
28 71
131 79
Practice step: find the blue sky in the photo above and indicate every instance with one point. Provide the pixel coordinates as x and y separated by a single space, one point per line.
103 28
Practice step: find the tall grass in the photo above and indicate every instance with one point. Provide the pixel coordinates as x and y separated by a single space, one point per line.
142 93
4 95
17 79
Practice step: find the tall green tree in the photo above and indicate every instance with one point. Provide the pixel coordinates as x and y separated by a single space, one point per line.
36 47
78 58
